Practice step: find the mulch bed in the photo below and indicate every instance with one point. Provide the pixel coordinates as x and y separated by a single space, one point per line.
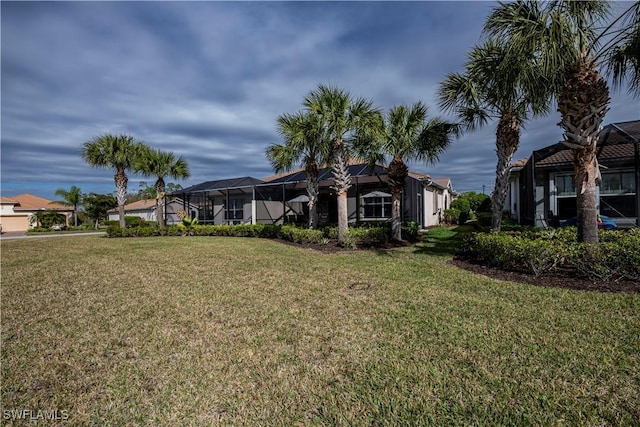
333 247
560 280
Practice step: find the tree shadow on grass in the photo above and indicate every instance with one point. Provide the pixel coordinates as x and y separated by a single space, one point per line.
443 241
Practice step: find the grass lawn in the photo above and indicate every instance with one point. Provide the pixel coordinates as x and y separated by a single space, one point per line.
232 331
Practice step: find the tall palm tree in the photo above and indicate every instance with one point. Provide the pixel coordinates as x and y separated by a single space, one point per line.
498 83
159 164
306 142
348 123
566 36
72 197
114 152
623 59
407 136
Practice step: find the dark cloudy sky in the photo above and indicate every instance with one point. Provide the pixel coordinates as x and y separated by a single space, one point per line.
207 80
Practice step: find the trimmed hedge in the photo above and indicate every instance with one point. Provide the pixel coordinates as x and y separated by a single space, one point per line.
540 252
355 237
366 236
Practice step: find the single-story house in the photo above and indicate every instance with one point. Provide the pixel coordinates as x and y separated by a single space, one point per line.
283 198
16 211
543 189
146 209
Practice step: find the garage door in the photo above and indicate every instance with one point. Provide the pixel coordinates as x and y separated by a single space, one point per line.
14 223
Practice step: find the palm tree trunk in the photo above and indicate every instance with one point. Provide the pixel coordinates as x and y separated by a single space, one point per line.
586 170
396 175
583 103
160 193
342 183
75 215
312 191
121 180
507 140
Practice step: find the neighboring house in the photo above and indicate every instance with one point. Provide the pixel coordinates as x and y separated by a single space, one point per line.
16 211
283 198
543 188
146 209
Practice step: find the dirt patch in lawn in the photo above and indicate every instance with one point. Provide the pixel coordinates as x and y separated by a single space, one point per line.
565 279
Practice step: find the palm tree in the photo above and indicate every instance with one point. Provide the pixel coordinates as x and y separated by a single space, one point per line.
73 197
501 84
407 136
114 152
566 36
348 123
305 142
159 164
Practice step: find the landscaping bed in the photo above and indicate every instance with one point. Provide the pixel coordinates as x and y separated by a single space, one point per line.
560 278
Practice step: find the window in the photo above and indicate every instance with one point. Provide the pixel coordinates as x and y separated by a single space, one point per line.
235 209
565 185
618 183
377 205
566 196
617 194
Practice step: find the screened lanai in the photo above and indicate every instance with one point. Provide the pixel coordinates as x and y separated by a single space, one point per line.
283 198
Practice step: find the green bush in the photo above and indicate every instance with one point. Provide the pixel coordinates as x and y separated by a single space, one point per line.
464 217
370 236
451 216
301 235
410 230
541 251
484 218
39 229
330 233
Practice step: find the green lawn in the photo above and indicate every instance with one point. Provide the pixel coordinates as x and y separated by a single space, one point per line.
232 331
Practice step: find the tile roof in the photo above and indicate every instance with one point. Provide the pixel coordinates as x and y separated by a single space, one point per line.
137 206
519 163
443 181
7 200
30 202
616 142
607 152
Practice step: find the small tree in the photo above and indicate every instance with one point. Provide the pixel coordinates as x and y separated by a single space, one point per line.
73 197
97 206
160 164
116 152
347 123
46 218
305 142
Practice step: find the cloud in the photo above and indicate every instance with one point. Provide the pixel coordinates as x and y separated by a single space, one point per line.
207 80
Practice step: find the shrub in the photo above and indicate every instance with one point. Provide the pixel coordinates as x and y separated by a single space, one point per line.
331 232
134 221
464 217
39 229
540 251
371 236
484 218
130 221
301 235
410 230
451 216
